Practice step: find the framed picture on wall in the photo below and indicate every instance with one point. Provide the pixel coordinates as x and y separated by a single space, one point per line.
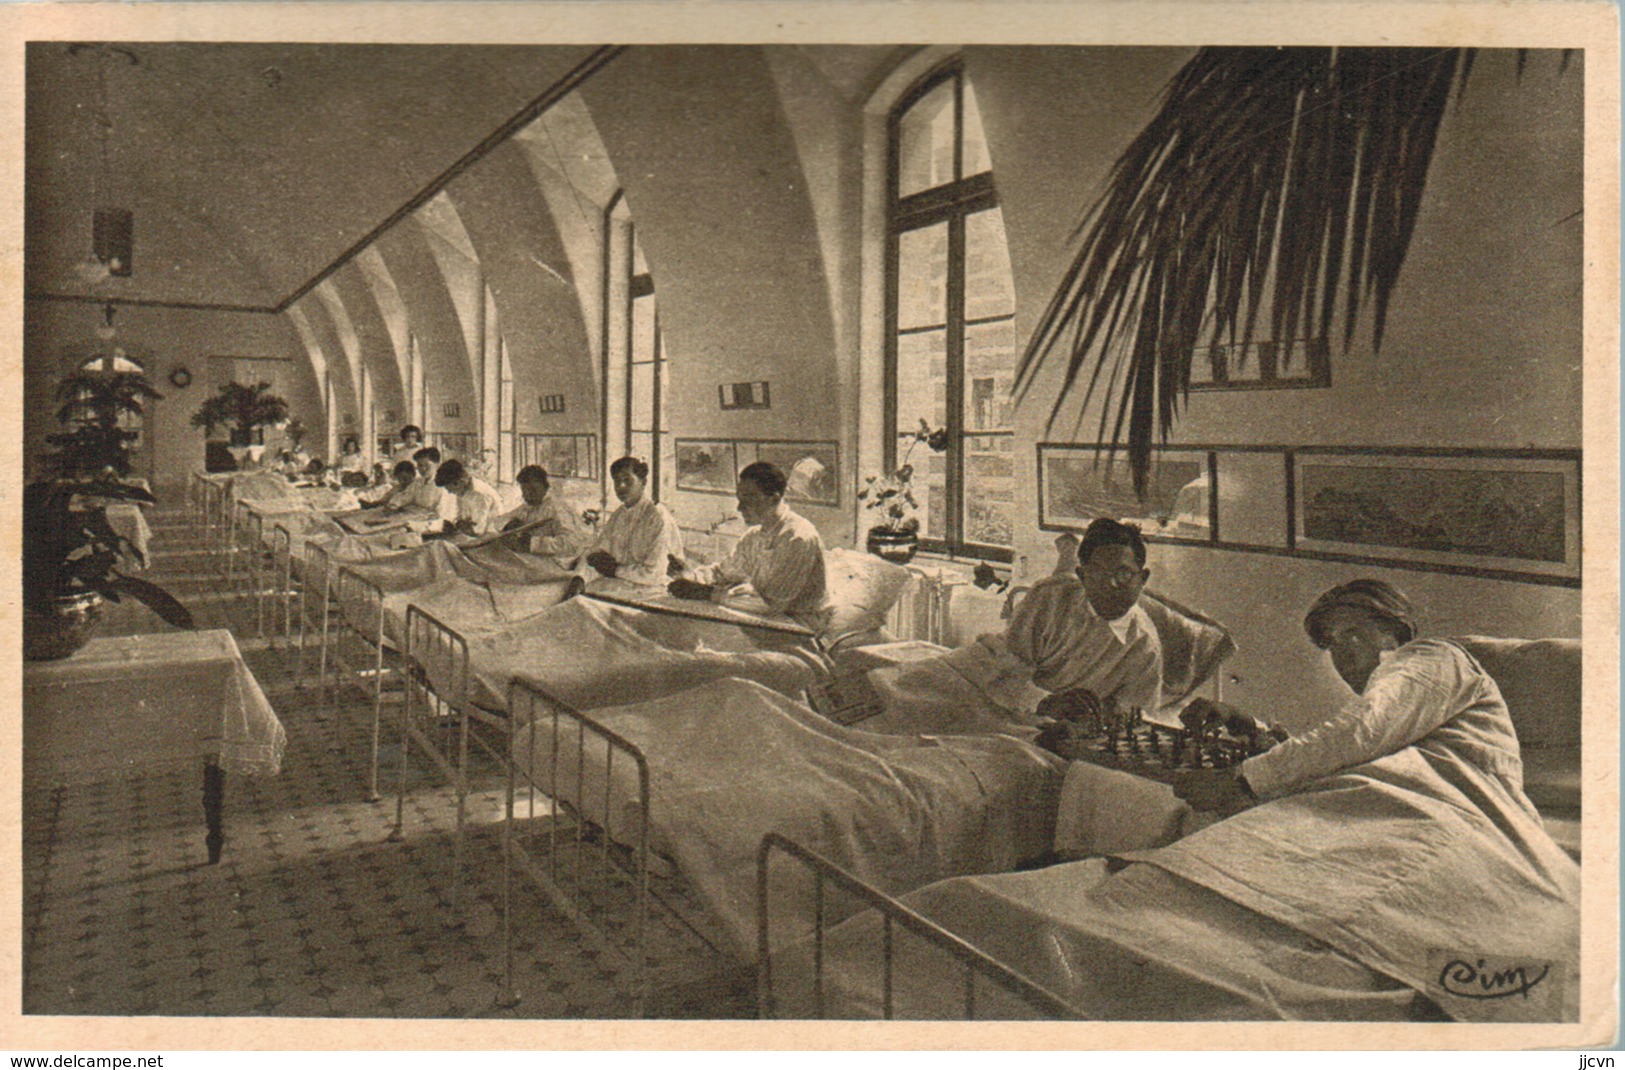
1262 365
707 465
813 468
1512 511
1079 483
562 456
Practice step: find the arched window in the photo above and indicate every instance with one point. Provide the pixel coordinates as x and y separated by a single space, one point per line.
636 369
950 331
116 360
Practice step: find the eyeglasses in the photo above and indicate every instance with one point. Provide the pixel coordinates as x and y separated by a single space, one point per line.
1120 577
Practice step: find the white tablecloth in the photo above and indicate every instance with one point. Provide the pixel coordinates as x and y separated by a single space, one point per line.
127 519
139 703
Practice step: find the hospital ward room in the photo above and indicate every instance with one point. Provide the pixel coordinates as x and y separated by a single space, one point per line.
804 532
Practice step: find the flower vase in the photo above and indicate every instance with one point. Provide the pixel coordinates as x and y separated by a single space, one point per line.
898 547
62 629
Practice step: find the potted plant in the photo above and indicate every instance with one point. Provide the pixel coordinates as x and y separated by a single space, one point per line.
71 559
245 410
94 407
895 533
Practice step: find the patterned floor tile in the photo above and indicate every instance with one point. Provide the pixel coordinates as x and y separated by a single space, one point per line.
314 911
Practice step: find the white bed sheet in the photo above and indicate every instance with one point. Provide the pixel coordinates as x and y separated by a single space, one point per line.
1397 877
454 585
733 760
592 654
1140 945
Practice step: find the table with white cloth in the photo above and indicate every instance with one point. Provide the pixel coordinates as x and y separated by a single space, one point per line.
129 522
131 705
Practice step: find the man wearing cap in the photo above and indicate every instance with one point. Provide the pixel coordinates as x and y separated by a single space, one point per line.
1396 832
1407 691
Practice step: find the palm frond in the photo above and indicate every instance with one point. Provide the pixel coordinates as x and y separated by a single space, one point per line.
1271 182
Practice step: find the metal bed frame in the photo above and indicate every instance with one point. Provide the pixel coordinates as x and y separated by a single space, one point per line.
590 856
977 969
343 629
580 866
429 713
211 510
287 582
252 532
315 590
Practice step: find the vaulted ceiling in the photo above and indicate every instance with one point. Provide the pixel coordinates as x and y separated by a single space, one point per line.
252 169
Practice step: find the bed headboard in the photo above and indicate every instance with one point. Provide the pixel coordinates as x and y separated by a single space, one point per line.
1540 680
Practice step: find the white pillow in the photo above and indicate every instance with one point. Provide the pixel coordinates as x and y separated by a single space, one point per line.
862 590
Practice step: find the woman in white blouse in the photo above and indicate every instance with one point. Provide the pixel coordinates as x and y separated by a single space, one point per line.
350 457
640 538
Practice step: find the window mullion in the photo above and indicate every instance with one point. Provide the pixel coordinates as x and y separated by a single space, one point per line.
954 344
654 417
626 357
889 371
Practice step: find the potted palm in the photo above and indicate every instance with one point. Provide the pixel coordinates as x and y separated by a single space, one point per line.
95 407
244 410
72 556
72 565
895 531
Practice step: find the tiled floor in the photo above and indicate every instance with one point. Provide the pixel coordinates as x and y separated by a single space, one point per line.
312 911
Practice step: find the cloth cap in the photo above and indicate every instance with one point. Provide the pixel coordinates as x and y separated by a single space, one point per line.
1376 597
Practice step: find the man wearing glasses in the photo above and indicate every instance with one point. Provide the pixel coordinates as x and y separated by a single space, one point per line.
1076 641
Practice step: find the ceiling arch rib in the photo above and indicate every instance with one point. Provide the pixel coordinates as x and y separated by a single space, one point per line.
459 266
572 169
725 219
349 345
346 386
392 310
536 293
317 362
448 372
373 337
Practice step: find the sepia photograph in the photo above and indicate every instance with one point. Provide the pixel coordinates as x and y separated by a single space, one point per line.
1062 524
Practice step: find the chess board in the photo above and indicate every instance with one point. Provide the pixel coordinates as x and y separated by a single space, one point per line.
1155 751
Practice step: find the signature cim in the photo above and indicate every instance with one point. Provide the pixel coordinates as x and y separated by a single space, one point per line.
1473 981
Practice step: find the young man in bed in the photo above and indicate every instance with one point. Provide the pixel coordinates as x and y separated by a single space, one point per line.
1397 830
781 555
1074 643
1386 864
477 503
641 539
415 491
1428 693
550 526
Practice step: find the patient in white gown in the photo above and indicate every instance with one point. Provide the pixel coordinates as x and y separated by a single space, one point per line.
1386 865
1079 637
